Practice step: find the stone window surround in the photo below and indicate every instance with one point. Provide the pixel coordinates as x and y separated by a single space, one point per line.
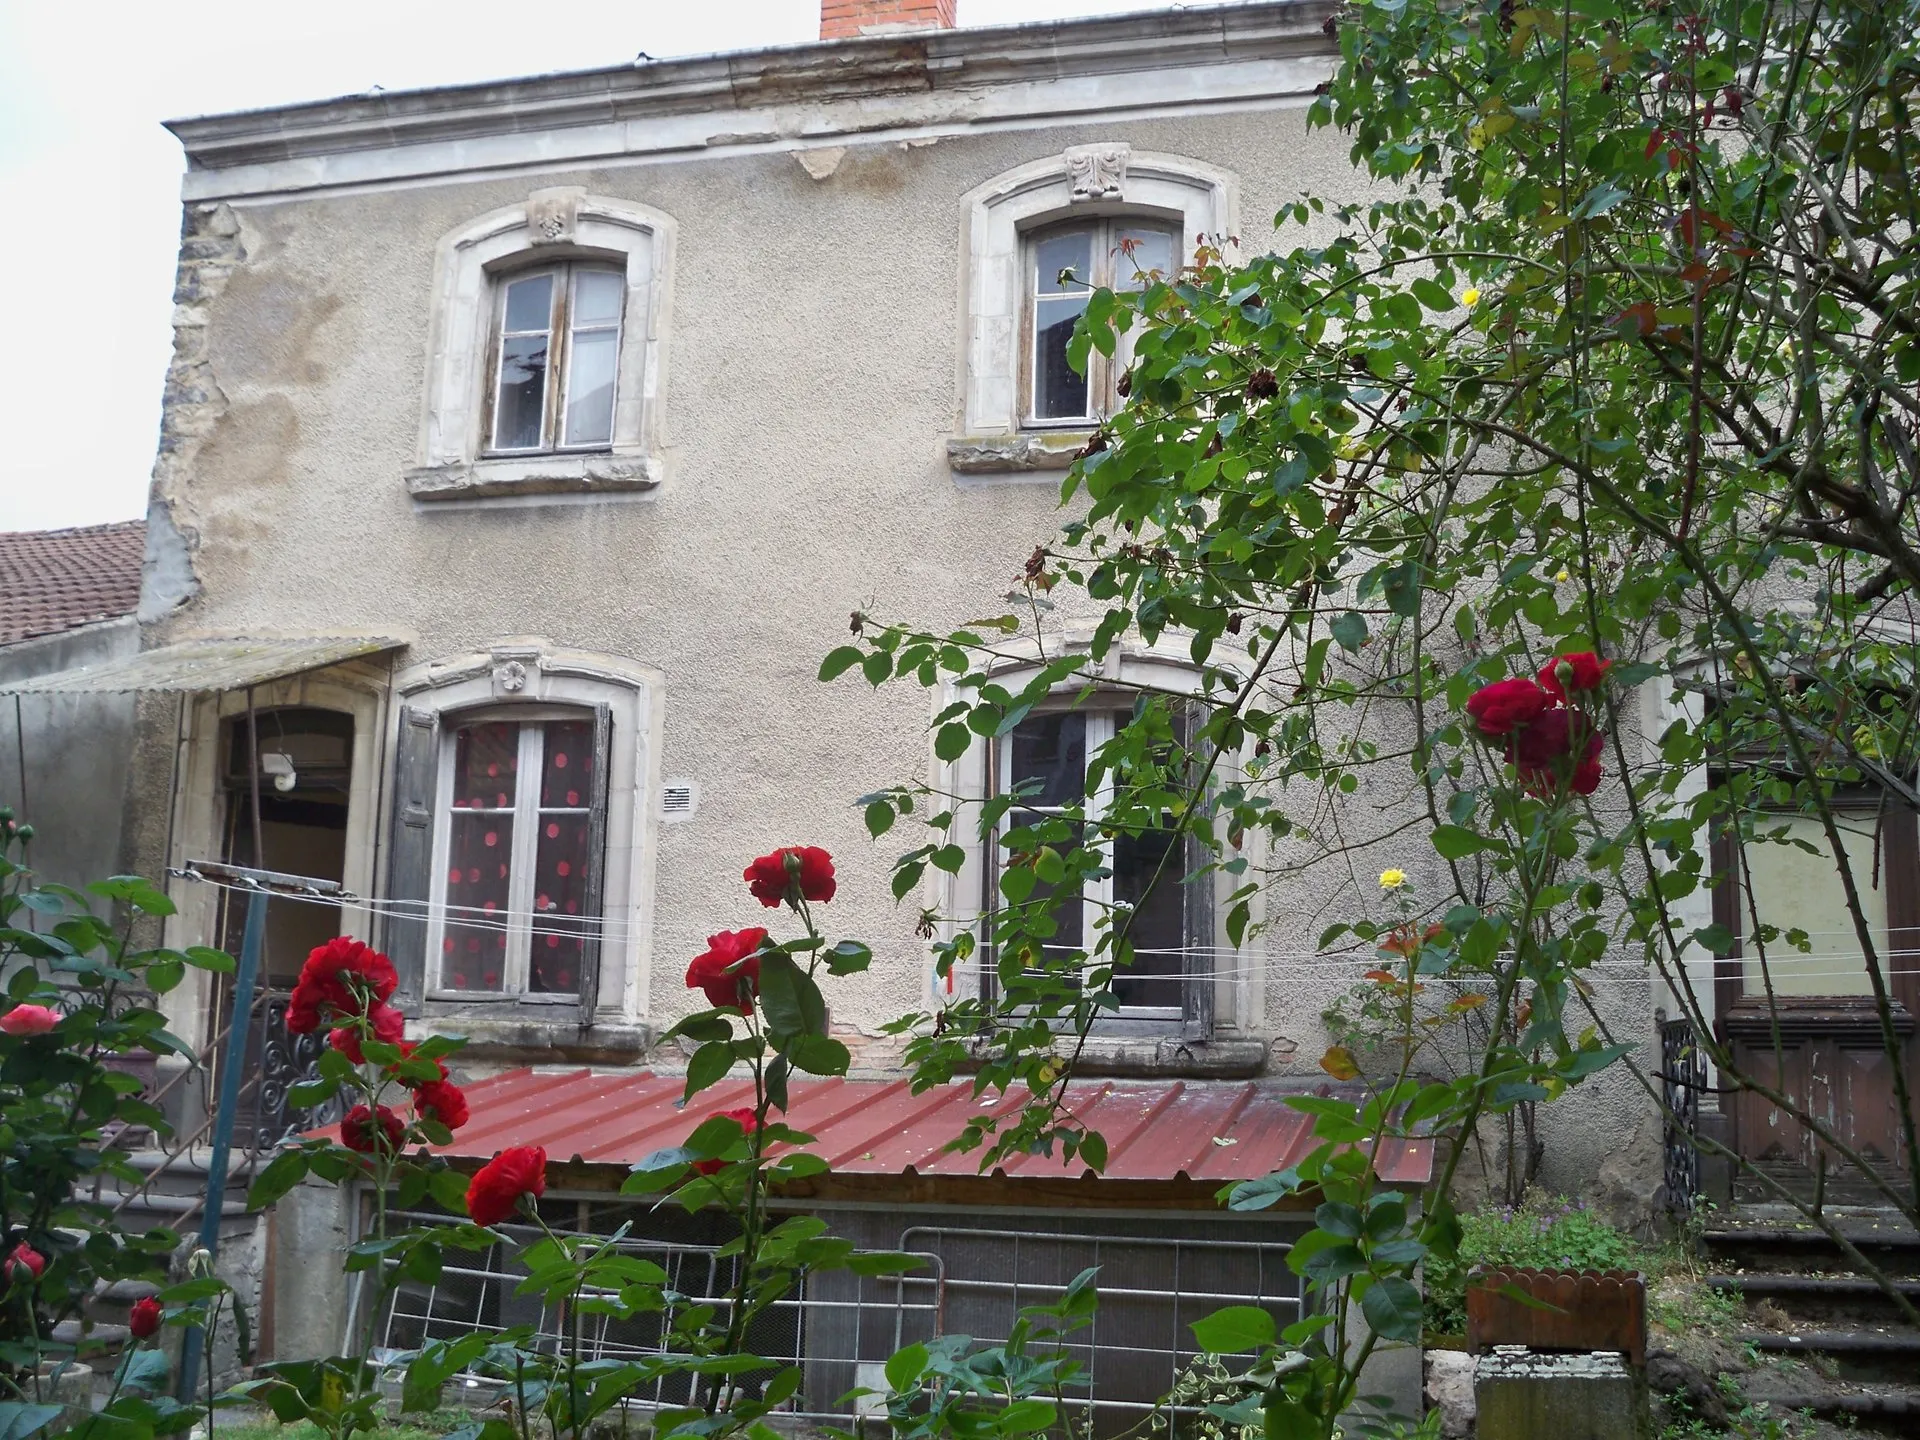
532 671
552 224
1083 180
1235 1046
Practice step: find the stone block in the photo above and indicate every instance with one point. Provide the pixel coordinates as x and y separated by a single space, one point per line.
1521 1394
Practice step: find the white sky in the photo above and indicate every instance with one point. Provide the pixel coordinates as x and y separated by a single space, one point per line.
93 222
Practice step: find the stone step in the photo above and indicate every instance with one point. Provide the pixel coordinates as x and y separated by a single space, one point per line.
1757 1240
1818 1299
1864 1355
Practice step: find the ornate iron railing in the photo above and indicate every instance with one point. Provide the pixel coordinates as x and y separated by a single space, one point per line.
286 1060
1683 1080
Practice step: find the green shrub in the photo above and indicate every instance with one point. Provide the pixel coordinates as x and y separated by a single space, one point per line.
1545 1232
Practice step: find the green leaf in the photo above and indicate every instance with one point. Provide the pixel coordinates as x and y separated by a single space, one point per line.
283 1172
1350 631
1392 1308
792 1002
708 1066
205 957
849 957
1025 1417
1235 1329
1455 841
839 660
880 815
19 1420
905 1367
885 1262
952 741
1432 294
818 1055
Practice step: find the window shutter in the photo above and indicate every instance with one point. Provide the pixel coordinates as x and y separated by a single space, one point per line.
410 855
1197 900
592 910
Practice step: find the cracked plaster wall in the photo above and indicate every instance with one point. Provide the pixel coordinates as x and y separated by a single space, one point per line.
809 394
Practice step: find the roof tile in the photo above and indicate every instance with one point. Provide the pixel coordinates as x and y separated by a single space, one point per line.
54 580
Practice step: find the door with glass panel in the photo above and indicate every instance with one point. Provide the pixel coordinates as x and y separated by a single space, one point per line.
1796 998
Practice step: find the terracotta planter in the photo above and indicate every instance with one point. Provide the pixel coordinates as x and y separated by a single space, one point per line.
1558 1310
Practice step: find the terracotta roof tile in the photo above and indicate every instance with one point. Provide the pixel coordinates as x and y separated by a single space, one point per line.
54 580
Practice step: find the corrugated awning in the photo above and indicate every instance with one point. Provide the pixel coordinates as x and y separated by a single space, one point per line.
1213 1132
220 664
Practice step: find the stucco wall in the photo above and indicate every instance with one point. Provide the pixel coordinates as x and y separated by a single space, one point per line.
809 353
76 751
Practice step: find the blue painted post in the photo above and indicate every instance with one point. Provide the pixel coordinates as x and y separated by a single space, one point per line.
231 1064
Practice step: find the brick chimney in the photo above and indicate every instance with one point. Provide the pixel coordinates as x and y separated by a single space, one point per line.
847 19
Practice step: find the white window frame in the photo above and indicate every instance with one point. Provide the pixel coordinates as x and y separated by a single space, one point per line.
527 813
1239 989
1096 894
1109 269
454 459
561 332
1084 182
532 678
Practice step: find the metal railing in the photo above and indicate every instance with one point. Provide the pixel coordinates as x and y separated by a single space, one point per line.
1683 1080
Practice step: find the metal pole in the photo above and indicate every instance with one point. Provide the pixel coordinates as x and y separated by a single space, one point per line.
230 1067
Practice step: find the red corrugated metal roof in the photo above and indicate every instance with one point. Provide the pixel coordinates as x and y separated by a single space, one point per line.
54 580
1212 1131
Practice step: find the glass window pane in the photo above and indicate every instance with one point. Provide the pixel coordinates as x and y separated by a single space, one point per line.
1158 930
485 759
1052 254
1141 257
598 297
590 387
1798 891
559 898
530 303
1059 391
474 952
520 405
1053 750
566 772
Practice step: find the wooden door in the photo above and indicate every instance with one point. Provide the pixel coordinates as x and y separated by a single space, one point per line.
1802 1019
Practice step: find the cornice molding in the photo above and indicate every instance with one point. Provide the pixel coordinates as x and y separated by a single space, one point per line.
793 95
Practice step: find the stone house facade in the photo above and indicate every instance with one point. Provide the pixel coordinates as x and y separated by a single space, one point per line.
527 444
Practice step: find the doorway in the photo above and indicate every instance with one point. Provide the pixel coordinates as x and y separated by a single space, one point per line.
1797 1008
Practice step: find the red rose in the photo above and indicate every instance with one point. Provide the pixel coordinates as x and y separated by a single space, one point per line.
775 878
29 1020
1584 671
341 977
1506 705
28 1260
372 1130
1542 750
748 1123
496 1190
443 1101
388 1026
729 970
144 1318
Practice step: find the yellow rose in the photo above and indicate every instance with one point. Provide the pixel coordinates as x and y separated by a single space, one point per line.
1470 297
1392 879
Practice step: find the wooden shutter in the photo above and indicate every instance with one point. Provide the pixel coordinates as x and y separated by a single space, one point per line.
594 905
410 854
1197 895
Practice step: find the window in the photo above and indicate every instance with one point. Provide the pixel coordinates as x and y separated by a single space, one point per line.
556 356
1105 214
522 804
544 357
1066 264
1044 761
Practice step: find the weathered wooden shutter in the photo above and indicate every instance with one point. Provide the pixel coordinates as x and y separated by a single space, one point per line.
591 911
1197 895
410 855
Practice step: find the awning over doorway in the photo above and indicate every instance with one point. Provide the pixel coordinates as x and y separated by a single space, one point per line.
1201 1134
226 663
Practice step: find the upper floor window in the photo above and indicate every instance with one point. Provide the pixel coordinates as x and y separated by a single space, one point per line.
556 356
518 854
1043 761
544 358
1067 263
1039 240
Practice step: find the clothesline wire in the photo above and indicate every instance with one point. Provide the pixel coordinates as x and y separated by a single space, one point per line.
1324 967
